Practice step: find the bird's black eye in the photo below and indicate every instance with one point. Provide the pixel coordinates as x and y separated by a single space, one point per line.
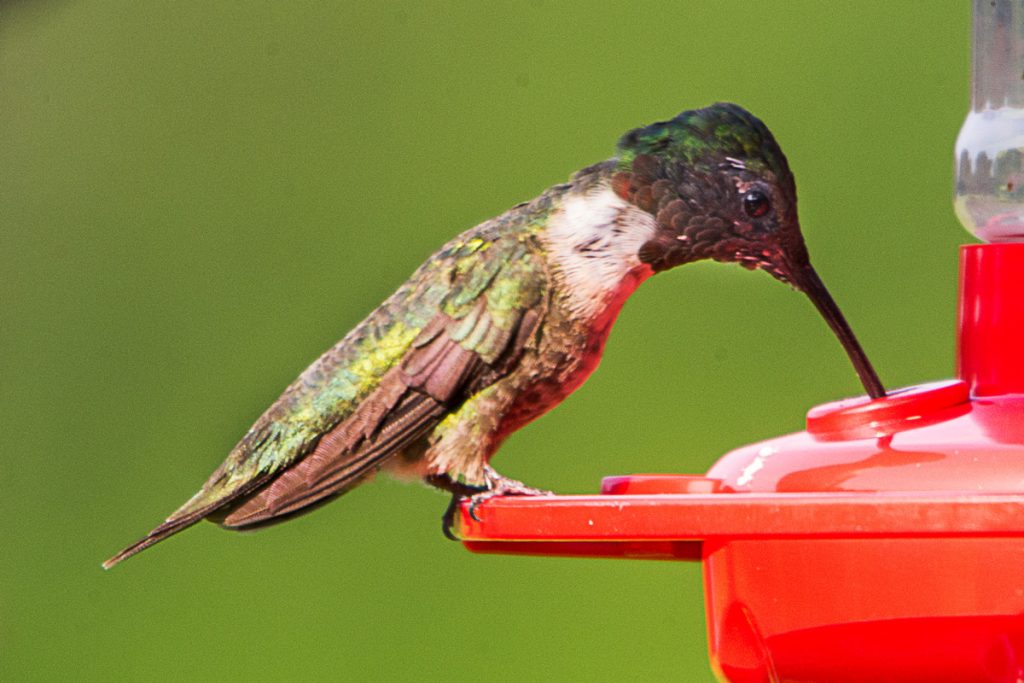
756 203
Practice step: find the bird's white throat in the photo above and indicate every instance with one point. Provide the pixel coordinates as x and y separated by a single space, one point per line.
593 240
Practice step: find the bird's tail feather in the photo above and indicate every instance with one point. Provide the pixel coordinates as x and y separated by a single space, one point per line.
165 530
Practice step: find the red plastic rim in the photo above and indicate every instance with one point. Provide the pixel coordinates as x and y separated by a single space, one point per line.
646 484
861 417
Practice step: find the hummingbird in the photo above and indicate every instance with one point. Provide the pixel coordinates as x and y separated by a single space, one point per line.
509 318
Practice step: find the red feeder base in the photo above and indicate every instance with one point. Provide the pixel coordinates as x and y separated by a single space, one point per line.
885 543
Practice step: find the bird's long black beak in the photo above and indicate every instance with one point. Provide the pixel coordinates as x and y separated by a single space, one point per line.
807 281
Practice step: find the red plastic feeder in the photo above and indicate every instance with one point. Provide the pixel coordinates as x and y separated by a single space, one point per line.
885 542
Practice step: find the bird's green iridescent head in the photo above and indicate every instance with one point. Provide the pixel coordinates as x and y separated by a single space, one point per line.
720 188
705 137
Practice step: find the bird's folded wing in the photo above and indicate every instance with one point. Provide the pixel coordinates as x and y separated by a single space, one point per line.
297 455
465 347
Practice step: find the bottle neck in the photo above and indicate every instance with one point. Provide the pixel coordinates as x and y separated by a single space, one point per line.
997 54
990 319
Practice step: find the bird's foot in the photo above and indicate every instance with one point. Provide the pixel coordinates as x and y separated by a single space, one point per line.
459 492
495 485
498 485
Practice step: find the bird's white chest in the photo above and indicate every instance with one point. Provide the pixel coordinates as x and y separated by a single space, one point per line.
593 240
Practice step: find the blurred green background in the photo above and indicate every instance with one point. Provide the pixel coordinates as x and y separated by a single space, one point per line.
196 199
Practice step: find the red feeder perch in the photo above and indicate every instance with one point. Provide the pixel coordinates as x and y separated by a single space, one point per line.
885 542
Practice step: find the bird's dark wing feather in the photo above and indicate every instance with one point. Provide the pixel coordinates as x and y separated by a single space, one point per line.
450 359
411 399
474 334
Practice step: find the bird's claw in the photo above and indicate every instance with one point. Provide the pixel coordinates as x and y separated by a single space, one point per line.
448 518
502 486
495 485
459 492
